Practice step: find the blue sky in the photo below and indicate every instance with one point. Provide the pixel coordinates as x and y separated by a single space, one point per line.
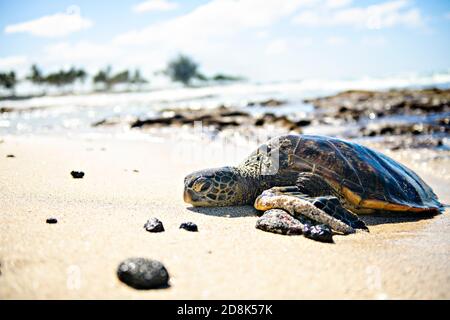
262 40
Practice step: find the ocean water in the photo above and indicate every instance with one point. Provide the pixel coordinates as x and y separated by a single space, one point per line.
74 114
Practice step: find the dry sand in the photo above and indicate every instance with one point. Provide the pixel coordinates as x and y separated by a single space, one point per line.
101 218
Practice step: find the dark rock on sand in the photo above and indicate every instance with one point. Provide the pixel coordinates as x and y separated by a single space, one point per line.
318 232
279 221
142 273
154 225
10 156
51 220
189 226
77 174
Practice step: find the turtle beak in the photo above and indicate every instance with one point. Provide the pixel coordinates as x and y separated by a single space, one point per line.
187 197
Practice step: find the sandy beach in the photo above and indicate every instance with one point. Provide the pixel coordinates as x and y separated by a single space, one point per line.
111 114
101 218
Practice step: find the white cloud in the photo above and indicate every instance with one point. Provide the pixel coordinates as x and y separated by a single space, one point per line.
336 41
374 41
337 3
13 62
56 25
378 16
289 45
309 18
93 56
264 34
276 47
154 5
238 30
218 18
80 52
20 64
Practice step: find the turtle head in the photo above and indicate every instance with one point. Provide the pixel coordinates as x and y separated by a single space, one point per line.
215 187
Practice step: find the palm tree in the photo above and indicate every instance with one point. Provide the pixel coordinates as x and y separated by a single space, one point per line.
182 69
8 80
36 76
81 75
102 77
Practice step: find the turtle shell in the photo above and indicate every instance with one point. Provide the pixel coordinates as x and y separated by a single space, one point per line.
369 178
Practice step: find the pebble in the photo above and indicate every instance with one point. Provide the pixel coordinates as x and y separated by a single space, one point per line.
51 220
154 225
189 226
77 174
319 232
10 156
142 273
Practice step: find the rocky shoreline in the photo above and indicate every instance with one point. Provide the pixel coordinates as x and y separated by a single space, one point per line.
355 104
417 118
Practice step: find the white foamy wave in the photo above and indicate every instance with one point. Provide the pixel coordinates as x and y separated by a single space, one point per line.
238 94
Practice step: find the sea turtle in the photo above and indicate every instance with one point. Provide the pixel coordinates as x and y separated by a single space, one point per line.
323 182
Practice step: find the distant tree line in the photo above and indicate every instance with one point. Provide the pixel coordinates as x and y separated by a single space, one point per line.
107 79
59 78
181 69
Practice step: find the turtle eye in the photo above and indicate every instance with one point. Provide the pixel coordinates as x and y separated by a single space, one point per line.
201 185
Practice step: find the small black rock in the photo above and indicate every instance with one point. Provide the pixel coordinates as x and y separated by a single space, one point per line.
51 220
77 174
154 225
189 226
10 156
142 273
319 232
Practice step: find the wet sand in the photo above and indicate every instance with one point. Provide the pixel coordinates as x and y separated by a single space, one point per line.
101 218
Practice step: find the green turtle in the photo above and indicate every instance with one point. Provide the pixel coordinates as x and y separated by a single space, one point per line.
322 181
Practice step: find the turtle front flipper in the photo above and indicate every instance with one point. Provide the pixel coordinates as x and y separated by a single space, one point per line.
319 192
313 185
333 207
296 204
